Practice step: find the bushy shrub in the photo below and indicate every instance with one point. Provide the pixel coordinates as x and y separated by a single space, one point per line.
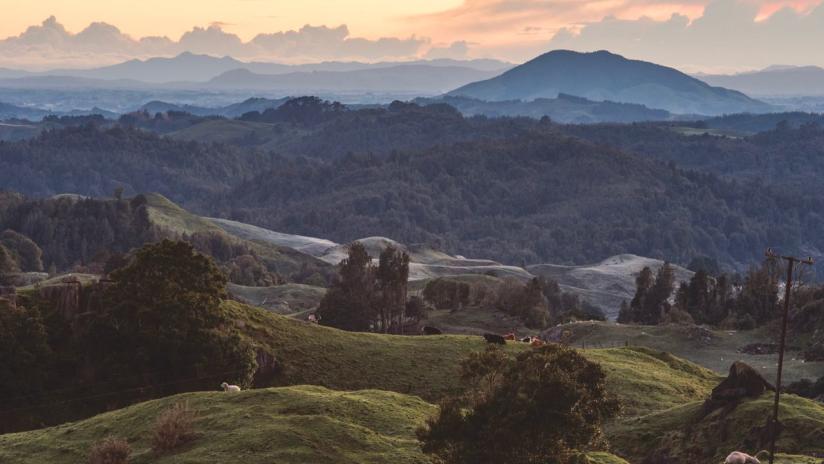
173 428
546 405
110 450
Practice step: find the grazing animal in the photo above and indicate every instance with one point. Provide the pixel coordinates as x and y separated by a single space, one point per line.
737 457
536 342
493 338
229 388
428 330
510 336
526 339
313 318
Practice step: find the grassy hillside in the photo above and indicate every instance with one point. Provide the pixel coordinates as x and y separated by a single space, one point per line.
714 349
685 431
284 425
427 366
295 300
374 422
302 424
172 218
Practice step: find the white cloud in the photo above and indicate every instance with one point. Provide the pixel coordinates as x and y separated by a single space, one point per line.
50 45
728 36
456 51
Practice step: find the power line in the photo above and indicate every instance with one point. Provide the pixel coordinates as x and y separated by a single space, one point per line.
791 262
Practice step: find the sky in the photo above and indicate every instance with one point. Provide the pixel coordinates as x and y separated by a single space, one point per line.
694 35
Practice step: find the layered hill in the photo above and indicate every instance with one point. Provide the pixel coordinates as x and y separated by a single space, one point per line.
606 76
410 79
565 109
773 81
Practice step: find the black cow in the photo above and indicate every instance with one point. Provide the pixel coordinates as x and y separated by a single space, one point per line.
493 338
427 330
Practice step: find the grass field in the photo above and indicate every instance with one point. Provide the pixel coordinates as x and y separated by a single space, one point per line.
385 386
686 431
172 218
713 349
304 424
289 425
427 366
293 300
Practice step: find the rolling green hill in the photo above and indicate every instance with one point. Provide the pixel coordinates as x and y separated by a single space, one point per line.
713 349
173 219
386 385
302 424
685 430
427 366
284 425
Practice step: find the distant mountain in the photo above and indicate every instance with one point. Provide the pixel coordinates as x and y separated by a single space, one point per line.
405 78
603 76
230 111
193 68
68 82
774 81
184 67
564 109
8 111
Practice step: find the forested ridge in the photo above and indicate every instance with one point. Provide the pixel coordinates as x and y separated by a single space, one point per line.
533 198
512 189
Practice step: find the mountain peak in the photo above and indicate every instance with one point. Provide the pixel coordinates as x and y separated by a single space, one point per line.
606 76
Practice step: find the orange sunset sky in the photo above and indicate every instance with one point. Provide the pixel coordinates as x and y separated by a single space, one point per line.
512 30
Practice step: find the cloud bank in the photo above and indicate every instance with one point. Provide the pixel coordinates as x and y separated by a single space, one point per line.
49 45
693 35
729 35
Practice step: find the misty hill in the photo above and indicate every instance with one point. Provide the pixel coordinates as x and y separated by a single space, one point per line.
8 111
565 109
774 81
605 76
404 78
195 68
233 110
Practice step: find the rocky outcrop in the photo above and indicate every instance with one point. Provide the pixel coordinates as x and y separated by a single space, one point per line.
742 382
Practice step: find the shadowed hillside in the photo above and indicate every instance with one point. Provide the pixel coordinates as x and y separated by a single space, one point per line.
605 76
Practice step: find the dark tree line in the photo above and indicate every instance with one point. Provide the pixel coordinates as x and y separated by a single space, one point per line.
724 301
158 328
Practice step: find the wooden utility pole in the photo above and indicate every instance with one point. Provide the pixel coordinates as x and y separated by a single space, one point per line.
791 262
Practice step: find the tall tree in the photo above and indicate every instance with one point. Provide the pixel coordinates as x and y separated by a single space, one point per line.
349 303
392 278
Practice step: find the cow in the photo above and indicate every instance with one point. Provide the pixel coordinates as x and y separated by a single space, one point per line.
494 338
510 337
428 330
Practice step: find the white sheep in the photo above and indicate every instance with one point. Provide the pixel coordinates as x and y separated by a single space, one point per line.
737 457
229 388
